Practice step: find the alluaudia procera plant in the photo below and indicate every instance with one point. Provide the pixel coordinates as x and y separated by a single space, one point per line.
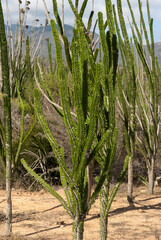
148 80
126 92
81 131
107 117
8 160
7 131
92 134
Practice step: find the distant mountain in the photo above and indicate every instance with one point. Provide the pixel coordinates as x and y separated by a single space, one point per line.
158 51
35 32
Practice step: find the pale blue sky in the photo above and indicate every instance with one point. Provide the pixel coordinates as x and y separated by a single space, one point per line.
155 7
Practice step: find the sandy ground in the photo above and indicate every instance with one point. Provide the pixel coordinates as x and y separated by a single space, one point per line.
37 215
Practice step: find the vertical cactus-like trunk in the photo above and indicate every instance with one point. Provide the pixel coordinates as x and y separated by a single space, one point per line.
7 121
107 116
78 229
50 57
127 92
147 98
104 195
81 126
151 178
130 180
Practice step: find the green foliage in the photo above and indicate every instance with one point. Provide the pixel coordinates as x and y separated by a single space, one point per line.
6 132
45 185
86 91
88 79
27 85
7 121
50 57
126 89
15 70
83 7
106 155
147 98
90 21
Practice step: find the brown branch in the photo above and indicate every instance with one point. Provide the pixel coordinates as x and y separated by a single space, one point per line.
48 99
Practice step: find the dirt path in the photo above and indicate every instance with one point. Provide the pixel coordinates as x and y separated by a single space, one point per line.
37 215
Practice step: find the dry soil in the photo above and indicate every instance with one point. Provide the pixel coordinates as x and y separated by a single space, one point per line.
38 215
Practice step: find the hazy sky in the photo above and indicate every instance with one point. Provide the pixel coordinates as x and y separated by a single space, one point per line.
37 11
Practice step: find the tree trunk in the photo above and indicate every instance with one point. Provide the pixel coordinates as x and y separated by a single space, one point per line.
78 229
103 210
63 16
130 180
8 148
8 198
90 178
151 178
7 120
103 225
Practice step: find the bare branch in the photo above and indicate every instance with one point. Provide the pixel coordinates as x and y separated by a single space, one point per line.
48 99
141 125
63 17
48 18
46 10
95 44
39 42
120 110
125 98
